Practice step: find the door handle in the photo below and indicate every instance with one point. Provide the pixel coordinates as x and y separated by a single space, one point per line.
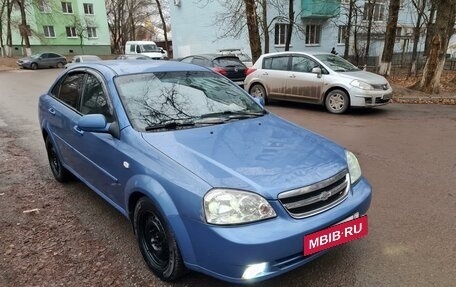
76 129
51 111
293 76
265 74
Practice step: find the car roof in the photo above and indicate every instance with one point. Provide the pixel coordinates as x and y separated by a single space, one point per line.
214 56
296 52
140 66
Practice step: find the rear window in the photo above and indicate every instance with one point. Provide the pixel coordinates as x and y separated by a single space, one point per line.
228 62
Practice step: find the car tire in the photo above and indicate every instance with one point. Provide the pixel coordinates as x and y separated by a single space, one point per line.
337 101
157 243
60 173
257 90
34 66
60 65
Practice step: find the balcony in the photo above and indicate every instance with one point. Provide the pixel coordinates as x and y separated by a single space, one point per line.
319 9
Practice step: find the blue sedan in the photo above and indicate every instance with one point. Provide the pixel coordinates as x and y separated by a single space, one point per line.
210 180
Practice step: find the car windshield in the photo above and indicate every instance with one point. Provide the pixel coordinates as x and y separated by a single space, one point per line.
183 99
336 63
35 56
149 48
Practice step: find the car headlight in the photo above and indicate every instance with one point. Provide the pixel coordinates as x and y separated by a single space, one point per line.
361 85
353 167
228 206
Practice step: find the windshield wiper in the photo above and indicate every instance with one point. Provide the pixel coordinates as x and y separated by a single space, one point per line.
169 125
174 125
234 114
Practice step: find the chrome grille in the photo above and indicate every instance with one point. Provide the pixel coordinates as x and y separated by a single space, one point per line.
310 200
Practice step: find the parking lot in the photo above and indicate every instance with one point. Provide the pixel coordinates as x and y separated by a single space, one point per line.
407 152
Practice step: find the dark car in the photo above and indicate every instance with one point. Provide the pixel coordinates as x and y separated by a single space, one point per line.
42 60
132 57
210 180
228 65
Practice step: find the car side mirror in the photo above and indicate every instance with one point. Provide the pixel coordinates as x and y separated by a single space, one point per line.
317 70
93 123
162 51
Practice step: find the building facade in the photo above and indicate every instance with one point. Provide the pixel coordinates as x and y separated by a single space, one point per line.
320 26
67 27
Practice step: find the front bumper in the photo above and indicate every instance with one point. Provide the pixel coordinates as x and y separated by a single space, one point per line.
226 252
363 98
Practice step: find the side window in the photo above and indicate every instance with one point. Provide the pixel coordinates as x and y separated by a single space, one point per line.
187 60
199 61
280 63
132 48
303 64
95 100
138 49
70 89
77 60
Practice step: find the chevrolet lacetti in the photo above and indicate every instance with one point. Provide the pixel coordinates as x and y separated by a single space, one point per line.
210 180
316 78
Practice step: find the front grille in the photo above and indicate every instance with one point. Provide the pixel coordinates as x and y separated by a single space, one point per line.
312 199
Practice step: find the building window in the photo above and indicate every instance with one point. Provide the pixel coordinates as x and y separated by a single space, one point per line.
88 8
313 34
71 32
343 33
378 13
44 7
92 32
280 34
49 31
67 8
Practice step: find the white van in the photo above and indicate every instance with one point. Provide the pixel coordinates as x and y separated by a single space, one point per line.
147 48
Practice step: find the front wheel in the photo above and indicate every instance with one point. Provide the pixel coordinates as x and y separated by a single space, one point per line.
156 242
59 65
34 66
257 90
337 101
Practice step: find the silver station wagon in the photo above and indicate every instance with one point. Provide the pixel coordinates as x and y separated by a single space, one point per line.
319 78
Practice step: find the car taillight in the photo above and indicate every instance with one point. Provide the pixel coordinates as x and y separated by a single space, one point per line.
249 71
220 71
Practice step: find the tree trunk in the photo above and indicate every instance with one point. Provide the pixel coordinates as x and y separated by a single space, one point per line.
264 8
290 24
370 15
2 11
430 28
23 27
9 36
390 38
443 28
252 25
348 29
416 36
165 33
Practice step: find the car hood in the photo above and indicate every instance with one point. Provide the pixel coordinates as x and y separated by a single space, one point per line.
267 154
365 76
25 59
153 54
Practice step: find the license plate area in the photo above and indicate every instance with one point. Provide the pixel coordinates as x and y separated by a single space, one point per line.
335 235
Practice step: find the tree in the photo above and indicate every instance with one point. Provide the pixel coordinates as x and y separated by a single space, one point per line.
24 29
165 33
252 25
420 6
290 24
390 38
443 28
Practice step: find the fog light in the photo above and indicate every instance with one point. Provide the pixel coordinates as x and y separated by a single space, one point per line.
253 271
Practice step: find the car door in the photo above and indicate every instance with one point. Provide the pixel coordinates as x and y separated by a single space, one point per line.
302 84
274 75
100 152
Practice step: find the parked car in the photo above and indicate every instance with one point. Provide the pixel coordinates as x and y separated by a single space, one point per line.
82 59
318 78
245 59
228 65
42 60
146 48
210 181
132 57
